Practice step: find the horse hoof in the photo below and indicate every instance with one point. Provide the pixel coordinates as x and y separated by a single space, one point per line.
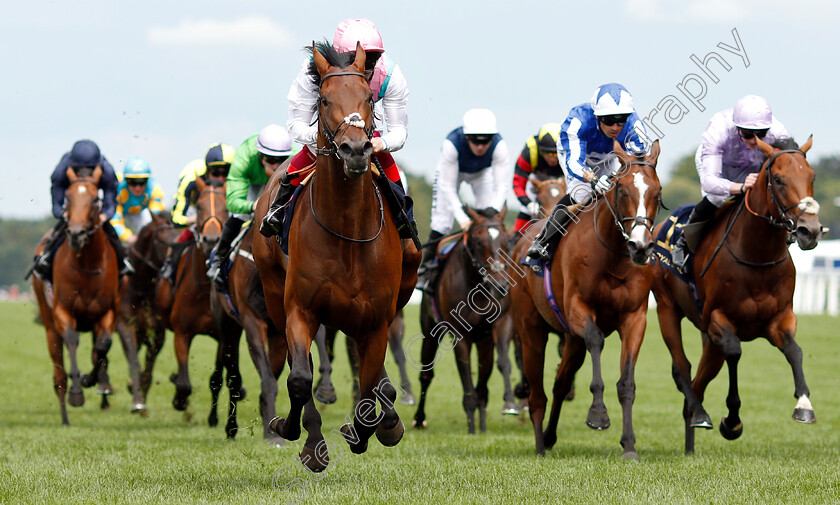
510 409
104 390
350 434
76 399
139 408
390 437
419 426
173 378
325 395
408 399
87 380
630 456
276 425
730 433
806 416
274 440
213 420
312 461
598 421
243 393
549 439
701 420
231 430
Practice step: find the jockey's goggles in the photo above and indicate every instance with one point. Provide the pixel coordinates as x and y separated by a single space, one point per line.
370 60
274 160
137 181
747 134
218 170
480 140
614 119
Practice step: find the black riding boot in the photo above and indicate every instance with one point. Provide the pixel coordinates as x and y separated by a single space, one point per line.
170 264
702 212
555 226
43 262
425 274
125 266
222 250
272 223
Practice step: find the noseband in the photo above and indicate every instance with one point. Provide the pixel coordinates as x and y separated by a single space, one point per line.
783 223
354 119
482 268
87 232
213 218
618 218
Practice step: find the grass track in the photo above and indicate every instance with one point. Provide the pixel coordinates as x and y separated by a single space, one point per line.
172 457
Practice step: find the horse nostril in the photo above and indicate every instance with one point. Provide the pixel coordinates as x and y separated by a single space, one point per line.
344 150
368 148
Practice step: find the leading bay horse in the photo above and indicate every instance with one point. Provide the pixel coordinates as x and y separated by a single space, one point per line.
346 267
744 287
85 292
600 276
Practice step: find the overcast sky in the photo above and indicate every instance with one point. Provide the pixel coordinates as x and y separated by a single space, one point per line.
164 80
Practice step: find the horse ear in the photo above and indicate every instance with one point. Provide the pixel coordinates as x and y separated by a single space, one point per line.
620 152
200 185
473 214
654 152
501 215
71 174
766 148
97 173
359 62
807 145
320 62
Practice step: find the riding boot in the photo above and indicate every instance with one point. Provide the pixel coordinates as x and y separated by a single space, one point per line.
425 274
702 212
170 264
43 262
222 249
272 223
125 266
553 228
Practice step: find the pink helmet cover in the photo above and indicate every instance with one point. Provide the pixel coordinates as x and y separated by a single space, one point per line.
362 30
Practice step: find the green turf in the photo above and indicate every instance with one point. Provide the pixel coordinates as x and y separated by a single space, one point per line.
173 457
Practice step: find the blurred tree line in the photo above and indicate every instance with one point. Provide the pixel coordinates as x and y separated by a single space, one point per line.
19 237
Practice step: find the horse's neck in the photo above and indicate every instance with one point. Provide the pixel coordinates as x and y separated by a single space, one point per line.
755 239
93 256
348 206
608 231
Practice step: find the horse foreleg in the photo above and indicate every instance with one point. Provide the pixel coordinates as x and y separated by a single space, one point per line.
730 426
365 421
711 361
65 326
484 352
183 388
256 333
300 331
324 390
783 339
428 359
574 353
597 418
395 343
153 348
355 362
502 331
56 349
390 429
129 344
632 333
470 398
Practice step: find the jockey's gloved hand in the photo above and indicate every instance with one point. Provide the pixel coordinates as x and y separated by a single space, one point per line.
465 224
533 209
602 184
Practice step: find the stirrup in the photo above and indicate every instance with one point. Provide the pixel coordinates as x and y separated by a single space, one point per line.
538 251
271 225
126 268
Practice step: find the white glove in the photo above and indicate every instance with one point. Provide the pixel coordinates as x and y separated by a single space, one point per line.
533 208
603 184
465 224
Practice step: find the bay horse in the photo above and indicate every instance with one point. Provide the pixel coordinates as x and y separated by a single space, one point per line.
467 303
600 275
139 320
85 292
346 266
244 304
189 313
745 286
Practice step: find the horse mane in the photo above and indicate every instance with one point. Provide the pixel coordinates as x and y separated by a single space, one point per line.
785 143
333 57
488 212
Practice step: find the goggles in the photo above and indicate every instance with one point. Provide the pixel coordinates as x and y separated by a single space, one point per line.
137 182
614 119
747 134
479 140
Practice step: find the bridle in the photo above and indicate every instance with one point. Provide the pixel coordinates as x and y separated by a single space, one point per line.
480 267
354 119
618 217
97 204
783 223
212 218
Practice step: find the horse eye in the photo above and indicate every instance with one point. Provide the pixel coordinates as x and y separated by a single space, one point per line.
777 179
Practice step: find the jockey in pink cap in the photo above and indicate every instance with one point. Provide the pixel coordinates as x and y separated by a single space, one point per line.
390 94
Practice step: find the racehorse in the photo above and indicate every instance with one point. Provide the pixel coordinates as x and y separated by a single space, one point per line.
744 287
85 292
346 266
244 304
189 313
325 391
467 304
139 320
601 277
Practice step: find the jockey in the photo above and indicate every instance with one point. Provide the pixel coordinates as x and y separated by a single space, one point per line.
538 157
213 168
138 197
474 153
727 159
390 95
586 141
84 155
254 162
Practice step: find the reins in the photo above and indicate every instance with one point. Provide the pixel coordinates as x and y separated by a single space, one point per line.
340 236
618 219
354 119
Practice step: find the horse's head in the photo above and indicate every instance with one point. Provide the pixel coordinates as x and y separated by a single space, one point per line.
211 213
789 180
549 191
345 107
82 206
486 241
635 199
